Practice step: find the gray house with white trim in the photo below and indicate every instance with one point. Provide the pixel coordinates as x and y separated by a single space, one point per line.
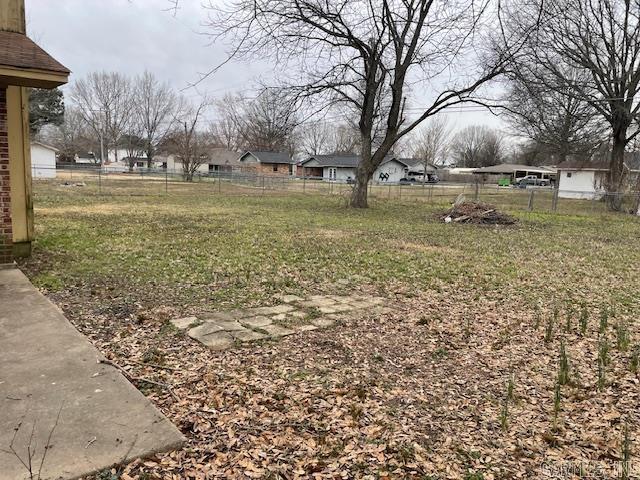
342 168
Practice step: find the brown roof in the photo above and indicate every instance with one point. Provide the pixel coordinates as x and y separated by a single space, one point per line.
601 162
19 51
597 163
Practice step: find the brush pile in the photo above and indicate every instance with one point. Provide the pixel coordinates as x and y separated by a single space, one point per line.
478 213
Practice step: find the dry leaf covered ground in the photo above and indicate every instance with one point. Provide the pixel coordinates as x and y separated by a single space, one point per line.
462 379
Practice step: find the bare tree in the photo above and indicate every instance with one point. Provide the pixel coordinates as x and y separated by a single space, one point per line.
266 122
432 142
134 146
345 139
269 121
71 137
363 53
188 142
156 106
599 39
477 146
315 137
323 138
225 130
558 123
105 102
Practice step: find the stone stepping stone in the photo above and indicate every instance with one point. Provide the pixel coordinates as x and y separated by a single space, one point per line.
245 335
217 341
305 328
342 308
229 316
274 330
323 322
256 322
229 326
290 298
278 309
184 323
205 329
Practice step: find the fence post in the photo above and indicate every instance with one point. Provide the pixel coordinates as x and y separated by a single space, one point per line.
554 201
304 181
399 191
166 180
530 205
476 192
100 181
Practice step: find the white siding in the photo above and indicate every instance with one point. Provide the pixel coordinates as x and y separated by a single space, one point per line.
43 161
396 171
123 153
342 173
580 184
175 166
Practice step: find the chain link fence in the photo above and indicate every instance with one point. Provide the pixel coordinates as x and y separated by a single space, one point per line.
93 180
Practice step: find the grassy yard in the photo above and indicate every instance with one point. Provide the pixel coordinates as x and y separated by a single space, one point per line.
422 392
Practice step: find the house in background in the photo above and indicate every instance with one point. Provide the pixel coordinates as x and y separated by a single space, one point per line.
342 168
217 160
587 179
43 160
222 160
267 163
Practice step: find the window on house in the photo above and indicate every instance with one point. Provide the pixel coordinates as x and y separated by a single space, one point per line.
164 165
211 168
275 167
568 174
139 164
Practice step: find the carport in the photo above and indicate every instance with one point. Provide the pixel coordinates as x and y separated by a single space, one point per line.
511 172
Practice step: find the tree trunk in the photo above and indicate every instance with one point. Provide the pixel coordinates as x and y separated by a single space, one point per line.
360 192
149 153
615 176
363 176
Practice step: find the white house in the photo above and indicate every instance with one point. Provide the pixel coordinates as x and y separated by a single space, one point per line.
587 178
43 160
219 160
342 168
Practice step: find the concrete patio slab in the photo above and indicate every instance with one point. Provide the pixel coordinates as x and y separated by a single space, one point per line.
85 415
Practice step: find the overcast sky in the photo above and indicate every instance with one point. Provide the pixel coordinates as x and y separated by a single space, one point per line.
131 36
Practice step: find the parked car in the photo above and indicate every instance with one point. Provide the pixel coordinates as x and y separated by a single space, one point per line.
532 181
413 177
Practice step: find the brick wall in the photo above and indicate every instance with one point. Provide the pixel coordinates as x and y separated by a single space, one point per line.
6 232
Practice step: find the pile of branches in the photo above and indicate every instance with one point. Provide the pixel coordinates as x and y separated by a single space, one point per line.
477 213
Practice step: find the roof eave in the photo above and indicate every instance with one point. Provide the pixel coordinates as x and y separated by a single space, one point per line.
25 77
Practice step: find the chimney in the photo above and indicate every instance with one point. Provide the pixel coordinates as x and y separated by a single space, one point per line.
12 16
